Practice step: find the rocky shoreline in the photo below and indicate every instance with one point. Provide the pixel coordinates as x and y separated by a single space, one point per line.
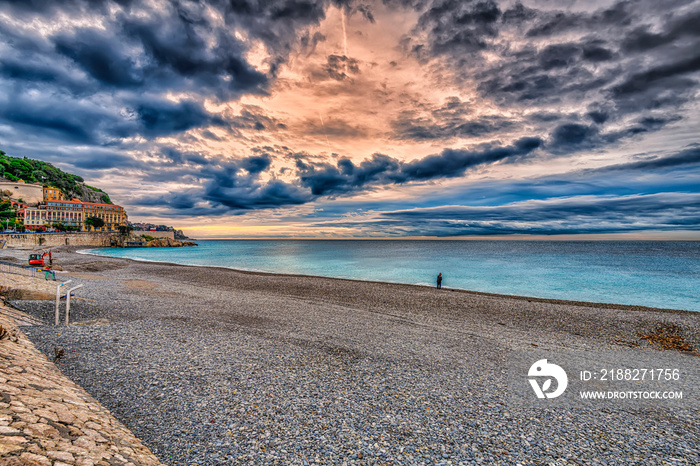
144 242
215 366
168 243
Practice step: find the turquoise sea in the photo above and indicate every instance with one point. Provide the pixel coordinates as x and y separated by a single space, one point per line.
662 274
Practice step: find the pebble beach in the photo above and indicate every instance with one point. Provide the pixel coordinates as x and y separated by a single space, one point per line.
212 366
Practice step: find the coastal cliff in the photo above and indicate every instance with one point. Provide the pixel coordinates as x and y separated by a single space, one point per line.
168 243
148 241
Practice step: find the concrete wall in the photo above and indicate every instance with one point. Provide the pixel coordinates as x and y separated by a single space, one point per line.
155 234
33 240
29 193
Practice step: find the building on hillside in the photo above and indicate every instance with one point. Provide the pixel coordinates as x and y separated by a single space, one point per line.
73 214
31 194
68 213
113 215
33 218
52 194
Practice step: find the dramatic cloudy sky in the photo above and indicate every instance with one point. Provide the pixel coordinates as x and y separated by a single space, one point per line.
266 118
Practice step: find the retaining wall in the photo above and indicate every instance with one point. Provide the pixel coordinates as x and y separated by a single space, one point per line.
29 193
33 240
46 419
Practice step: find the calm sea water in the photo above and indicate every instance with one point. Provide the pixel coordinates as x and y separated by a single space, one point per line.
648 273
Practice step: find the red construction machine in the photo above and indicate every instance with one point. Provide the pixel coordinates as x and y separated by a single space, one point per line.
37 260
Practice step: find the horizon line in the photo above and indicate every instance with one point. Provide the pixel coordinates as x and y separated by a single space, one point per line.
566 237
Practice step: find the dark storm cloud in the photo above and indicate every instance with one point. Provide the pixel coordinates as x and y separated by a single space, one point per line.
660 193
174 46
595 51
163 117
326 179
227 185
689 156
543 78
251 118
456 25
346 177
106 162
658 86
626 210
453 119
583 201
559 22
598 116
30 62
271 195
256 164
571 137
235 184
123 68
61 117
180 157
575 57
558 56
144 51
235 190
572 134
38 72
451 163
100 56
308 42
50 6
276 22
642 39
340 67
419 129
577 215
228 189
100 85
518 14
180 47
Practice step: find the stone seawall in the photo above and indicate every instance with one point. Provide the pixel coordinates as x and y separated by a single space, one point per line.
33 240
46 419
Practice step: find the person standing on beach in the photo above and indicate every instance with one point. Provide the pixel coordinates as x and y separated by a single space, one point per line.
439 281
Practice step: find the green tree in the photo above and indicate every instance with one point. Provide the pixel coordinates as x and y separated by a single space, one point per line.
6 210
94 222
125 230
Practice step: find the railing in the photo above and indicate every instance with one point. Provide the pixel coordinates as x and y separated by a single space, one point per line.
19 269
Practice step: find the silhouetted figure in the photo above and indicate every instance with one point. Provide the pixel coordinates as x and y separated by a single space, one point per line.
439 281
